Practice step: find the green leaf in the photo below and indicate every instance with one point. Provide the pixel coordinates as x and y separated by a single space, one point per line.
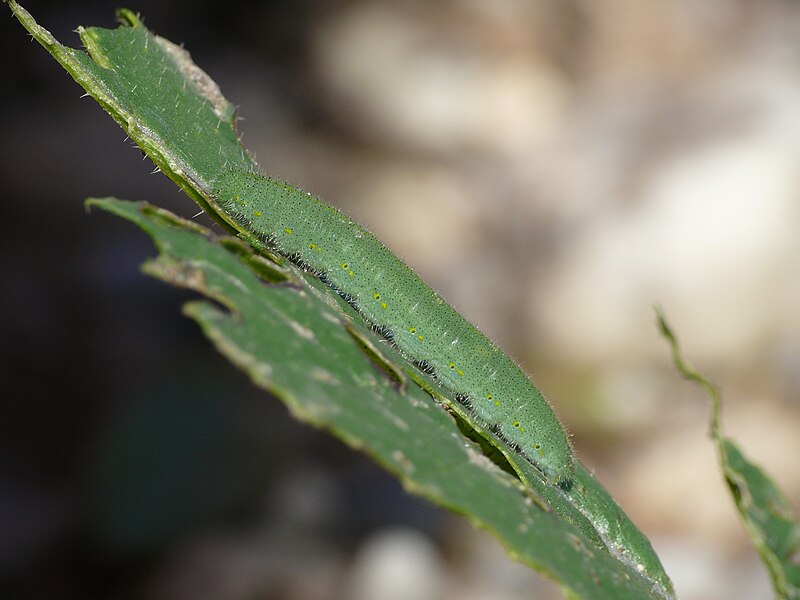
297 339
766 514
293 341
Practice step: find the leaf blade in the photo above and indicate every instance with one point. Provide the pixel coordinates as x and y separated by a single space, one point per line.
295 345
765 512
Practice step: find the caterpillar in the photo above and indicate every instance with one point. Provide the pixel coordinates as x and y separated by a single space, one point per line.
402 309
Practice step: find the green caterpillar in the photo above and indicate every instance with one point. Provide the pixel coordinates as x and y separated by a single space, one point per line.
402 309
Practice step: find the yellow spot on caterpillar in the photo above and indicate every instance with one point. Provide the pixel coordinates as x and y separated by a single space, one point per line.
312 246
488 396
350 273
384 306
453 366
344 265
412 329
522 429
376 295
288 230
497 402
516 423
420 337
257 213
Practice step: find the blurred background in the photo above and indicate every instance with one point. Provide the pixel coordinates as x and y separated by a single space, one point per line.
553 167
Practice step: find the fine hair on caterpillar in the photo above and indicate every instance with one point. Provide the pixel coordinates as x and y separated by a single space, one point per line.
488 386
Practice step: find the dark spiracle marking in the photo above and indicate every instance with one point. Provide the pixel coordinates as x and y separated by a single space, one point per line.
496 430
349 298
424 366
346 296
296 259
384 331
464 400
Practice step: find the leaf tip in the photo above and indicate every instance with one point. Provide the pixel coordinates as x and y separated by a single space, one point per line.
663 325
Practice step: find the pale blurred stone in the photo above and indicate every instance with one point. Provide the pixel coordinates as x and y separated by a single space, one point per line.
485 572
414 76
714 240
398 564
701 570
